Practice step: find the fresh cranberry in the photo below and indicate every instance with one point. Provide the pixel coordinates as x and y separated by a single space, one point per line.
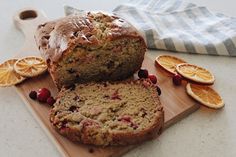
33 95
50 101
143 73
177 80
158 90
43 94
153 78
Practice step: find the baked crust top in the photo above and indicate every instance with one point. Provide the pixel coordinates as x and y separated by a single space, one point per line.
90 29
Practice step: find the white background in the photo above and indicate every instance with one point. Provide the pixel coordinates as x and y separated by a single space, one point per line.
205 133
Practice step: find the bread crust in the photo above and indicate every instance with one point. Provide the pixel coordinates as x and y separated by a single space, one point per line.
54 38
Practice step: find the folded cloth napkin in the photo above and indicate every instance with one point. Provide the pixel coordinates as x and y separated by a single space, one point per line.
178 26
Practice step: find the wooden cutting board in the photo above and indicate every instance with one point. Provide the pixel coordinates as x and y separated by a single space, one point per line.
177 104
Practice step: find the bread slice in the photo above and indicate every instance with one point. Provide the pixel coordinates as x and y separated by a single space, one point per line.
93 46
106 113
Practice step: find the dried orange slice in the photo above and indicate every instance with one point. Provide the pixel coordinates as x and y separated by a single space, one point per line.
195 73
205 95
169 63
8 76
30 66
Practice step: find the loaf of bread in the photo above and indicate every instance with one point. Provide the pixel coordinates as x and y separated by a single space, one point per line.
93 46
105 113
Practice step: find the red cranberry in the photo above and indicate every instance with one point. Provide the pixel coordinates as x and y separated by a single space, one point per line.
158 90
88 122
177 80
33 95
125 118
43 94
143 73
50 101
153 78
115 95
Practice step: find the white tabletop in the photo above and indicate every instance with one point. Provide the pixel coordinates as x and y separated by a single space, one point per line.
205 133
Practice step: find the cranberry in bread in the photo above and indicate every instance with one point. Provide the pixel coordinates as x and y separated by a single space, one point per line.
93 46
106 113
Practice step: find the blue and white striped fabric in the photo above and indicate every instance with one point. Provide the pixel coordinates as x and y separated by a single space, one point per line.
178 26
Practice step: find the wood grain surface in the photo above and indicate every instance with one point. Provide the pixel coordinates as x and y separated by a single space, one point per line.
177 104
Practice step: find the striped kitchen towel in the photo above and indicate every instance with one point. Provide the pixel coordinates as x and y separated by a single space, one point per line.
178 26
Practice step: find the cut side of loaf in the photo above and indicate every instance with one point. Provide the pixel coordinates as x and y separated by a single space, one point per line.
93 46
121 113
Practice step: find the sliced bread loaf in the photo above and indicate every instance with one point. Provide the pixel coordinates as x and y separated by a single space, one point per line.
105 113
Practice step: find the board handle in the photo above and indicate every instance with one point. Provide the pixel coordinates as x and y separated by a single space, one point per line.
27 20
